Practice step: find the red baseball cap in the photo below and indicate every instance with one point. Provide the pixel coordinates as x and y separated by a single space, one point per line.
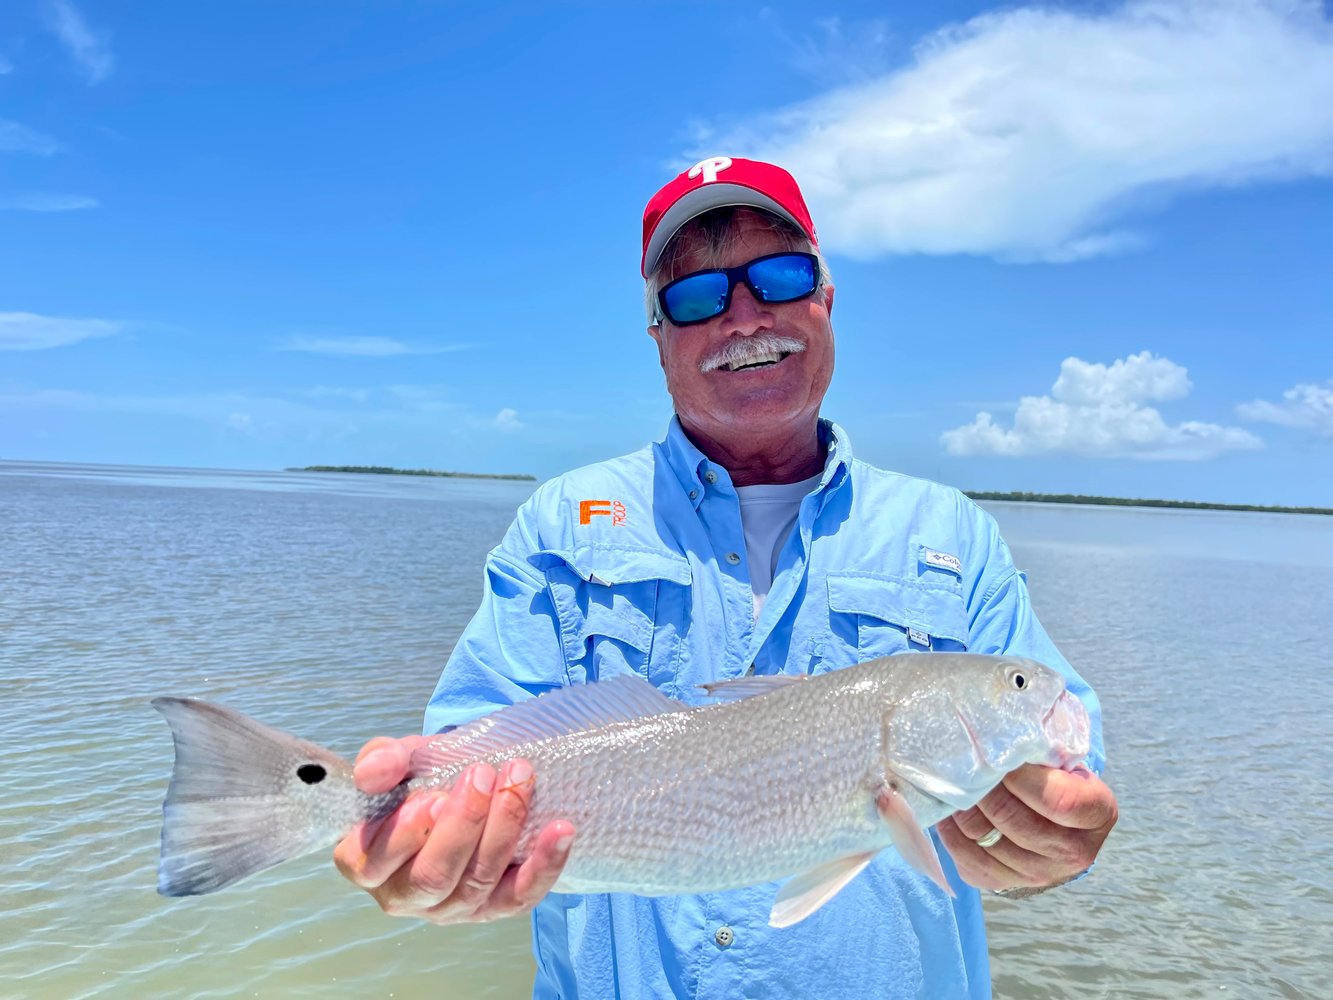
716 182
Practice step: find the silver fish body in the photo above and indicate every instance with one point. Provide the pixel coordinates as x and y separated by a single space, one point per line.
787 775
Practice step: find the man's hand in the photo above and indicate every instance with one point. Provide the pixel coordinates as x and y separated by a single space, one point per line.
1051 822
447 856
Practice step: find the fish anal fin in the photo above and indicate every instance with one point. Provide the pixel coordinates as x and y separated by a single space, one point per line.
911 841
575 709
808 891
738 688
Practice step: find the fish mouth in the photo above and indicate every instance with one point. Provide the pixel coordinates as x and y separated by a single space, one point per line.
1068 729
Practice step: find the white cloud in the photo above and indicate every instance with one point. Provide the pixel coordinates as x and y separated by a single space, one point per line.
364 347
47 203
1308 406
89 48
1032 133
507 420
20 331
18 138
1098 411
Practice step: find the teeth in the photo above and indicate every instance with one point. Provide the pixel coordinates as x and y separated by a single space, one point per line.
771 358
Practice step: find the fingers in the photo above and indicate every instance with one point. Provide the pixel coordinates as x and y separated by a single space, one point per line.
1077 799
524 886
383 763
1000 867
1043 816
428 872
507 812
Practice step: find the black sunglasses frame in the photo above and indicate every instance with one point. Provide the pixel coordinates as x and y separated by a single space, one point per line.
736 275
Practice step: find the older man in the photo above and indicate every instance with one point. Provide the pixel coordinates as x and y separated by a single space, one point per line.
747 541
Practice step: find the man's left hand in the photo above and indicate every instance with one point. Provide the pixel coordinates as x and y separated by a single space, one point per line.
1051 822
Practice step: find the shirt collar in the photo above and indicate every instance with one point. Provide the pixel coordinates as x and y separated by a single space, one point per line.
697 472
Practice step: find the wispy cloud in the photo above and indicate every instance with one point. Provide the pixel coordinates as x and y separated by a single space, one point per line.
46 203
1100 411
364 347
1034 133
89 48
18 138
1308 406
21 331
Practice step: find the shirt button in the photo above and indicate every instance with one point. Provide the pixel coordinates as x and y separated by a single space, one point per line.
724 936
710 477
694 494
734 558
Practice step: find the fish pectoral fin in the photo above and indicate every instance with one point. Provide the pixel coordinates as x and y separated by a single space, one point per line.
810 890
738 688
912 842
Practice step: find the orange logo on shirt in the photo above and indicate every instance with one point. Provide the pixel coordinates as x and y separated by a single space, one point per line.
614 509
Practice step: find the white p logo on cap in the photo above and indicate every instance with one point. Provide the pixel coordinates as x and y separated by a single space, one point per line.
709 168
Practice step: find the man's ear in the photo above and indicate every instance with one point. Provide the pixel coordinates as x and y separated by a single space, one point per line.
828 298
655 331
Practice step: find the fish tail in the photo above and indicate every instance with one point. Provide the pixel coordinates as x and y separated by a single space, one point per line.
244 797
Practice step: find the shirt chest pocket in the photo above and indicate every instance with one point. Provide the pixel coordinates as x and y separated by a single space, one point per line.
880 616
609 602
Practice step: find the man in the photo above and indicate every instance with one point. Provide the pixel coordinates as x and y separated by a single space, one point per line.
748 541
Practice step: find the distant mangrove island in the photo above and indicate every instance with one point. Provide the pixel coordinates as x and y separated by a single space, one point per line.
384 470
1125 502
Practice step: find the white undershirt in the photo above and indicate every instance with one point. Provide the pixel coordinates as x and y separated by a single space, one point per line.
768 512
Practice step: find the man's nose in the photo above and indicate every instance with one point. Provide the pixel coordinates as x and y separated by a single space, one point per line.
747 314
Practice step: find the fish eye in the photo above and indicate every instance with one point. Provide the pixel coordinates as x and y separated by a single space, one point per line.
1017 679
311 774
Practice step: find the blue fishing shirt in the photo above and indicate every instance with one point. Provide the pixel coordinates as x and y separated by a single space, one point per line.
638 565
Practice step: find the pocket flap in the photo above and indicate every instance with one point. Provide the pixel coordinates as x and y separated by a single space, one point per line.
610 565
937 611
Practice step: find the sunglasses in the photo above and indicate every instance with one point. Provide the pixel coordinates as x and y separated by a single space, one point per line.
776 277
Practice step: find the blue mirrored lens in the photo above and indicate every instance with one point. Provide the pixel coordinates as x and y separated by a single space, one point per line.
782 279
696 297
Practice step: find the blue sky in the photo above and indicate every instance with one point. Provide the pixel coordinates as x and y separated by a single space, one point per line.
1078 248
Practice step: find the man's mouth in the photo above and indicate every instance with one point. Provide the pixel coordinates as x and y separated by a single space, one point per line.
760 361
742 354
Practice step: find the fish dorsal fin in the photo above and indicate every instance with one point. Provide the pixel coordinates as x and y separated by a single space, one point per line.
738 688
560 712
810 890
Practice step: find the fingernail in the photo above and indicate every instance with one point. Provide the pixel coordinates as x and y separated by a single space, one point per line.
483 778
437 807
520 772
563 844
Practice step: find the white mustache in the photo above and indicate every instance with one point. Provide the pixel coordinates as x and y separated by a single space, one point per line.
743 350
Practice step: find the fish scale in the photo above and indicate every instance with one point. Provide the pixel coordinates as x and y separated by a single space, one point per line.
787 775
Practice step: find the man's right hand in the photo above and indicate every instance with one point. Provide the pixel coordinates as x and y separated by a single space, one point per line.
448 856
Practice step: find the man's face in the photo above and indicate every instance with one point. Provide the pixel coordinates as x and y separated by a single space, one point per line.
734 405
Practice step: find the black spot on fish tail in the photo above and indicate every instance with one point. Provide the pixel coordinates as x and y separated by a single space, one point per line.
311 774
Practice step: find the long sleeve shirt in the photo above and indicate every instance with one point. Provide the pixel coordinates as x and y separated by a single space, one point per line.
638 565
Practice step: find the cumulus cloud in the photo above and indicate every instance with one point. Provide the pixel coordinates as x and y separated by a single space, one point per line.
21 331
1308 406
89 48
18 138
1099 411
507 420
46 203
1034 133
